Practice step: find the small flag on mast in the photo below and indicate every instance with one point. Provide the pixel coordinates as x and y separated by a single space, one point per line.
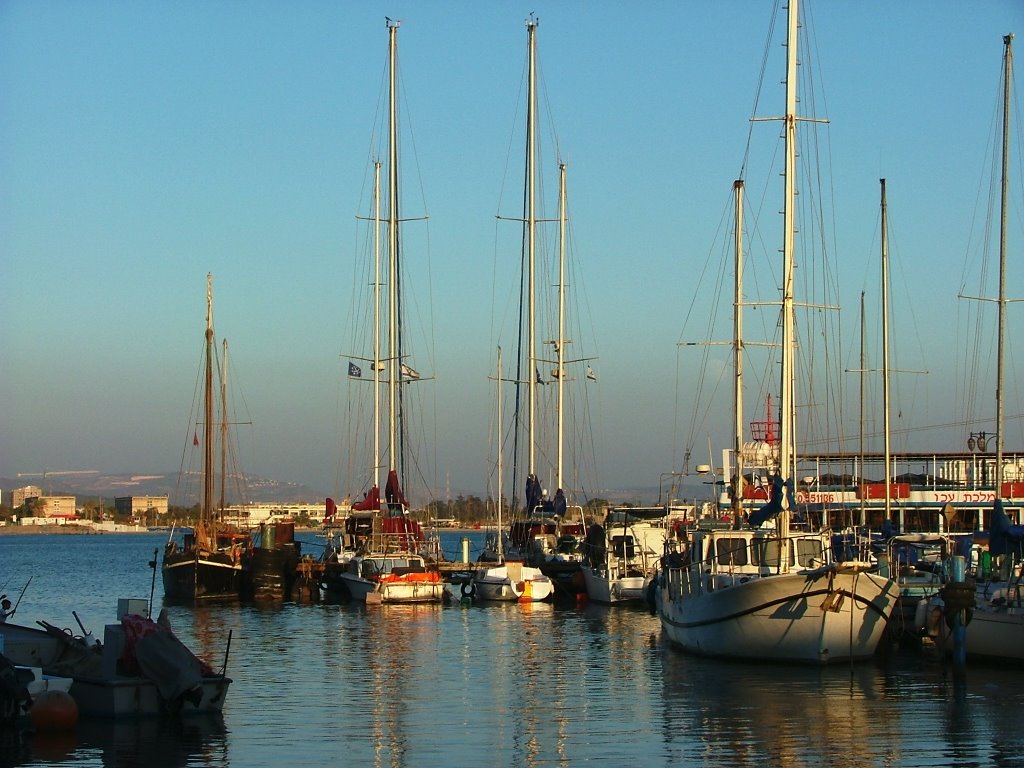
195 438
355 370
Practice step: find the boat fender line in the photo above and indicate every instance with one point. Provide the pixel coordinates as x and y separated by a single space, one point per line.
468 589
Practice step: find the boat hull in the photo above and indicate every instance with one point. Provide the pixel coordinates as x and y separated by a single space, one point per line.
394 589
818 617
565 575
30 647
992 634
133 697
615 590
191 576
511 582
996 635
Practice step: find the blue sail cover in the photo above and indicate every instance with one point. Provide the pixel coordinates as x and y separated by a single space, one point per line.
774 505
1004 538
533 493
560 503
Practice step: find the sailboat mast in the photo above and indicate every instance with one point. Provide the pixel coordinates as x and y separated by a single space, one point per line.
223 427
531 237
560 343
737 352
500 432
393 307
863 372
885 352
1000 372
787 419
375 473
208 473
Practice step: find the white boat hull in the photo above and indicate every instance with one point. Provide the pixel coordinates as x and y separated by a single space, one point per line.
31 647
512 582
130 697
995 634
823 616
611 590
393 590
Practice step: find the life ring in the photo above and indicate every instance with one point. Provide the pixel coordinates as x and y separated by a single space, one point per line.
468 589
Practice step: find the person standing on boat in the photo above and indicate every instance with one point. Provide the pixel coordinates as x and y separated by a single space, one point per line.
5 609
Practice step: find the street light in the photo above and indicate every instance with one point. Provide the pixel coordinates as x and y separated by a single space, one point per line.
978 441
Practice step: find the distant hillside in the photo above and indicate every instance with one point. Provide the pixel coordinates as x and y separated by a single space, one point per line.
183 493
186 492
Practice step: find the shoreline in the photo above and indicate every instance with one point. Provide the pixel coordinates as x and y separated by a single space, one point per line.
74 529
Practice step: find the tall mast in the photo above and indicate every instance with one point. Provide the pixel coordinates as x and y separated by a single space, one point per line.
394 351
737 325
500 432
208 473
863 371
560 343
376 324
885 352
1000 372
223 426
787 419
531 235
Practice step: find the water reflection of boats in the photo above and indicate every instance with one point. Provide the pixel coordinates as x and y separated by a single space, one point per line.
839 704
157 742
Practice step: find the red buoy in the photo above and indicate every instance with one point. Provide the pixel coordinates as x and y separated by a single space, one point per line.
54 711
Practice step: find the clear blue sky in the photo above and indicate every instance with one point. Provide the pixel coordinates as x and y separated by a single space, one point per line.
143 145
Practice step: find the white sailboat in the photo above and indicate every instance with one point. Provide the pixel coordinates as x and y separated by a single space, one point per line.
551 533
507 579
394 563
764 593
993 628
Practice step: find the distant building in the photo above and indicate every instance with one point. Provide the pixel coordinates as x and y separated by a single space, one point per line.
20 495
56 506
136 506
254 514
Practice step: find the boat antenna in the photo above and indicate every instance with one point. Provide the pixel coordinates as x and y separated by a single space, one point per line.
152 586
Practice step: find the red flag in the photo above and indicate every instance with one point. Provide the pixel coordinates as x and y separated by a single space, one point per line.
195 438
332 508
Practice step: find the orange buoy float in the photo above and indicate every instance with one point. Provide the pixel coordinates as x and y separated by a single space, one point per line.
54 711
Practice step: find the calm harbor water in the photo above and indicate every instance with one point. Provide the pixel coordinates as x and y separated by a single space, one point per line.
501 685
